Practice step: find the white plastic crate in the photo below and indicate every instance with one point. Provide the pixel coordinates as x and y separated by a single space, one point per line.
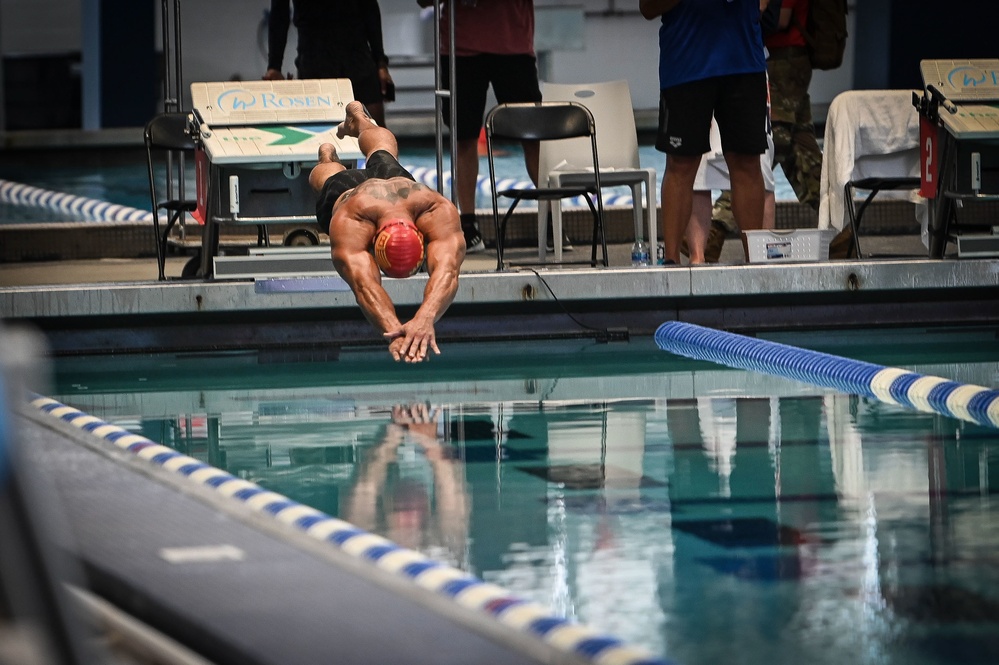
773 246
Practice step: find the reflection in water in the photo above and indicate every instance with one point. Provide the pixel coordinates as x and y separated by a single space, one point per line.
709 529
415 497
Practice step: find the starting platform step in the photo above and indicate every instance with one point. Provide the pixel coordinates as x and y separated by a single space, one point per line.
982 245
268 262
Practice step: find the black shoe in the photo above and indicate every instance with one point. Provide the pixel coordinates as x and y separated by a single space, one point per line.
473 241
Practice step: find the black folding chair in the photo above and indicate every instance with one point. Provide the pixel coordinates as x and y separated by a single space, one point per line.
168 143
544 121
873 185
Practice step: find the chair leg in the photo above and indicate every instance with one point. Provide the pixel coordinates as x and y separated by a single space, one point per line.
598 235
557 230
544 213
636 210
860 216
160 246
162 243
501 234
650 212
857 214
852 213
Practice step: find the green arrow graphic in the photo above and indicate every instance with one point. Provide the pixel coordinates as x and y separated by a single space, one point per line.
289 135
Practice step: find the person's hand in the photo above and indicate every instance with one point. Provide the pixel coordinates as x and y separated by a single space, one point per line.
421 421
274 75
387 84
412 341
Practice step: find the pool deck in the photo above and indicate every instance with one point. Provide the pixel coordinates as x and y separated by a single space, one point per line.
118 306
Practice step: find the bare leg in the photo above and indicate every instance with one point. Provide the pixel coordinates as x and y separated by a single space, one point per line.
677 200
467 174
532 154
769 210
370 136
699 226
329 165
747 190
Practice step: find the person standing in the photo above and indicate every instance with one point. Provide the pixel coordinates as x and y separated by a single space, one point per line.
703 243
494 45
341 39
711 61
796 149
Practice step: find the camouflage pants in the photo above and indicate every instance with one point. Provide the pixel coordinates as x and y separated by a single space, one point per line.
795 147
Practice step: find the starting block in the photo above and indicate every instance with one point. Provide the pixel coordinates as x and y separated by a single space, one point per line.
257 141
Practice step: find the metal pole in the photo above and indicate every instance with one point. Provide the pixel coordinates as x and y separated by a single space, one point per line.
440 94
173 77
178 69
178 80
3 102
173 94
454 103
165 37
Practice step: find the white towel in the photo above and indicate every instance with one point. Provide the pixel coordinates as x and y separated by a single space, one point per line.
868 133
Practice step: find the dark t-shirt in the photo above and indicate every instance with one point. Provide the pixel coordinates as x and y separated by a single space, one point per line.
332 35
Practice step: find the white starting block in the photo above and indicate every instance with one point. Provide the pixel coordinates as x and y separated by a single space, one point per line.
257 142
961 162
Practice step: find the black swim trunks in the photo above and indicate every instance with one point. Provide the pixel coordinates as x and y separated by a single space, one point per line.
381 165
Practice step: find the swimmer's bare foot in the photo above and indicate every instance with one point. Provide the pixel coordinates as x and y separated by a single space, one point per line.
358 119
327 154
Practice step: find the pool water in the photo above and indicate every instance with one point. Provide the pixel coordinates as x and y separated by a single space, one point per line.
707 514
125 182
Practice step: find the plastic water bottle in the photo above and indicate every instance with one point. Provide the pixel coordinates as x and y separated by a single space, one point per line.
640 253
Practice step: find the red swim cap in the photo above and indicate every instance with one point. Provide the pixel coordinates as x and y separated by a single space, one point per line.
398 248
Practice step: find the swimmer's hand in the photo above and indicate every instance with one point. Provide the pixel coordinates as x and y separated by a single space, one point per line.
412 341
421 422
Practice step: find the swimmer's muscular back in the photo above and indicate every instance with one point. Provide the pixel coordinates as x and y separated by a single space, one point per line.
357 212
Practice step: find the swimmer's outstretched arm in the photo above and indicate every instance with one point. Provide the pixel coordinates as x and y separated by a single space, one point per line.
349 249
445 253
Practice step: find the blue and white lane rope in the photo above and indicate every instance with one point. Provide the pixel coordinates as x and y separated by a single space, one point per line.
891 385
95 210
467 590
80 207
428 177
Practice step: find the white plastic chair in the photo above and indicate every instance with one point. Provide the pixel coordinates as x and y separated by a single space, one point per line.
569 162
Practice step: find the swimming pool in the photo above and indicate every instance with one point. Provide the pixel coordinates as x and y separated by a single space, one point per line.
709 514
124 182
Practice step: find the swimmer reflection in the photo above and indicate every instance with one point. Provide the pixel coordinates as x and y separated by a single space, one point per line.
410 488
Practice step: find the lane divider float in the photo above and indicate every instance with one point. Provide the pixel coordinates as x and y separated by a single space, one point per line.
80 207
467 590
891 385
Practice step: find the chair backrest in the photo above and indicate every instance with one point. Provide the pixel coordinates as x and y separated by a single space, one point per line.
539 121
168 131
617 137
